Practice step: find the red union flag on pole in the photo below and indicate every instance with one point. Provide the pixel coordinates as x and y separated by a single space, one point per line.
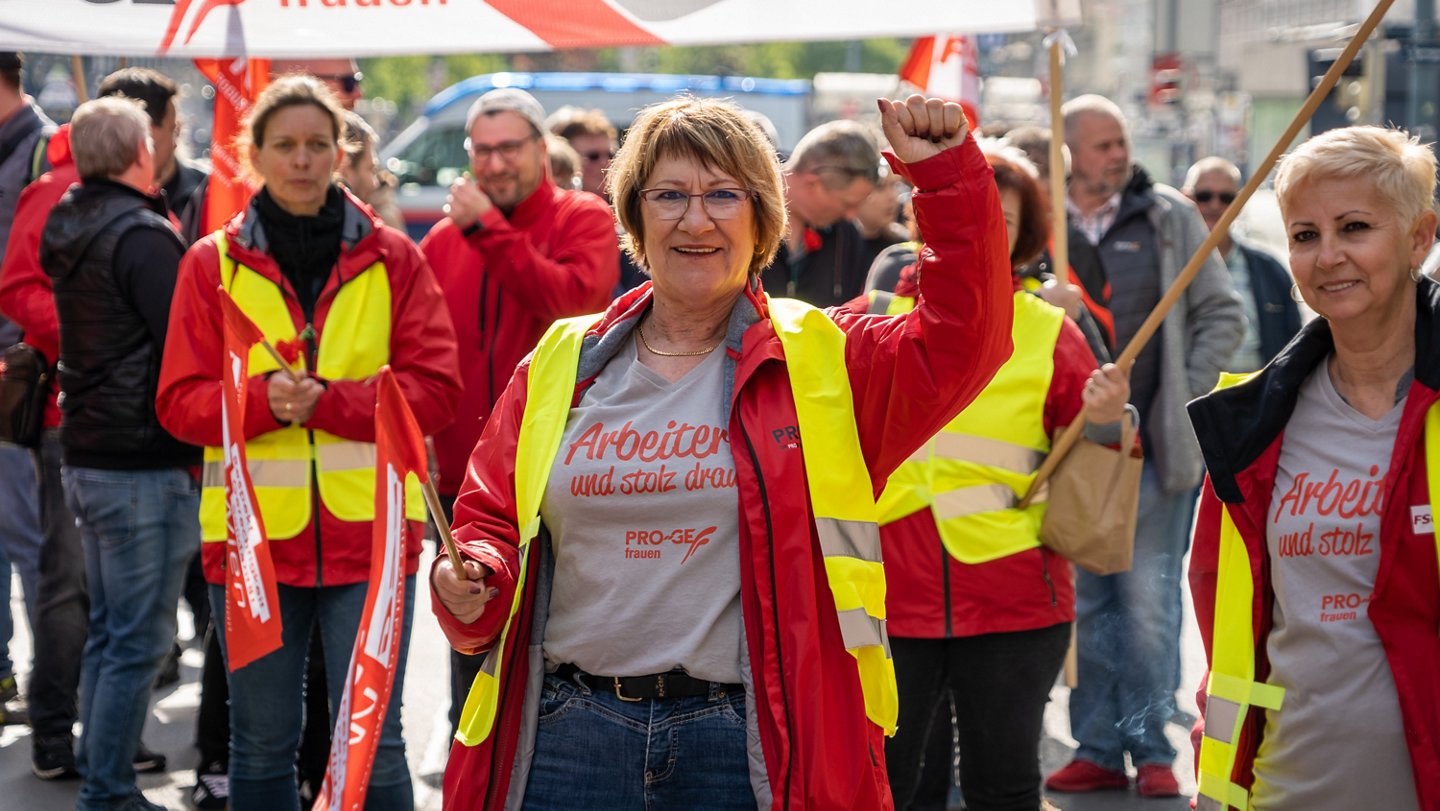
238 83
399 452
947 67
252 607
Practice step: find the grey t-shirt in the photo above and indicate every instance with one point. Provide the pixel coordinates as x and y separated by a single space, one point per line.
1337 740
644 514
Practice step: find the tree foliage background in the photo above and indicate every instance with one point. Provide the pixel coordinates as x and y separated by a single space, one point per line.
408 81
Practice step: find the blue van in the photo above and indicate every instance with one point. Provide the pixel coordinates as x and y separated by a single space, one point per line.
430 153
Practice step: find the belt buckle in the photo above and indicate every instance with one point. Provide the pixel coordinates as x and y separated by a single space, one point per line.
620 695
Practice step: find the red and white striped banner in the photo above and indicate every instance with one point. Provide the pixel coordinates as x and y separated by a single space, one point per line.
399 452
346 28
252 606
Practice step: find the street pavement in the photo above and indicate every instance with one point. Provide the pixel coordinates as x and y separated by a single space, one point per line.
171 727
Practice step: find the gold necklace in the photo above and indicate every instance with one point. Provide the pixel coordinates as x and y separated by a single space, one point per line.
639 330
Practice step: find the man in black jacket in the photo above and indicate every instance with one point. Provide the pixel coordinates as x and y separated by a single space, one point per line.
112 256
830 173
1271 315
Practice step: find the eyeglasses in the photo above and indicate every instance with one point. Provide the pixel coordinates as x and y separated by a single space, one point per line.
720 204
349 82
1226 197
598 155
508 150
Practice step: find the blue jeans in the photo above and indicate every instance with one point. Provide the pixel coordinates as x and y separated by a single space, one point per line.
267 701
138 529
595 750
20 539
1128 639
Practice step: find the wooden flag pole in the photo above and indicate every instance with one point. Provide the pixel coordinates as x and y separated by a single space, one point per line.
77 70
437 515
1059 234
285 366
1192 268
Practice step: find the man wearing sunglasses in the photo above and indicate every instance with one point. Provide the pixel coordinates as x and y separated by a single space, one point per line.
1271 316
513 254
342 76
595 139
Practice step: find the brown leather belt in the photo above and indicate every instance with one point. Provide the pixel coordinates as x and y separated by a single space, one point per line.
674 684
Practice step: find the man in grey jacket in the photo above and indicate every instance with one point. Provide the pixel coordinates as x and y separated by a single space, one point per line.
1128 625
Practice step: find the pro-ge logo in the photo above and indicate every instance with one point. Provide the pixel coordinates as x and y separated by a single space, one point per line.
787 436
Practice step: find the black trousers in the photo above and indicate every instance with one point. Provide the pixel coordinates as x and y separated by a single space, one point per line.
62 613
1000 683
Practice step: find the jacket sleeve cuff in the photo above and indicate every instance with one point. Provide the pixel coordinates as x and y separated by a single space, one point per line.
488 223
943 169
258 418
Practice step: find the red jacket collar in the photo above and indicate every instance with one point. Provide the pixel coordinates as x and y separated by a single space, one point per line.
360 246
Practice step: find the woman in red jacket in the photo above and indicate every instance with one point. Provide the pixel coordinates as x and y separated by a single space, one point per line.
669 518
1314 568
979 611
316 270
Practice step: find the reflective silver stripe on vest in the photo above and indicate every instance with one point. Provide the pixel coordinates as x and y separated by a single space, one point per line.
263 473
345 455
1220 714
1205 803
982 498
860 630
987 452
851 539
880 302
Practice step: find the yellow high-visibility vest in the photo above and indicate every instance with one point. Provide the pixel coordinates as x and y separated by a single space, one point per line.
839 487
973 473
1232 689
355 344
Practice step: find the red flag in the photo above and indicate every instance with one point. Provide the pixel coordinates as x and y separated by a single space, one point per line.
252 606
946 67
238 83
399 451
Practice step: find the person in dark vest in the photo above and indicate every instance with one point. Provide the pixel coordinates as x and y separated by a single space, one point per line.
112 255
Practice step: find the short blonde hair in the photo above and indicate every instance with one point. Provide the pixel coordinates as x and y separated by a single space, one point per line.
1401 168
718 135
106 135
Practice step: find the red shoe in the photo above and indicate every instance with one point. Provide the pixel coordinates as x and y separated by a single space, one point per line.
1081 775
1156 780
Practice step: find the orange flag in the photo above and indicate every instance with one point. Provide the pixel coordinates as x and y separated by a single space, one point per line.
238 83
252 606
399 451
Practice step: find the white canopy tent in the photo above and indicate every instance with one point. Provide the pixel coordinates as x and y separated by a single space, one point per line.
318 28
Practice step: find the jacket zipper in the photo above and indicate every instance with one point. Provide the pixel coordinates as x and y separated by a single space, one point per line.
1045 573
310 352
774 605
945 575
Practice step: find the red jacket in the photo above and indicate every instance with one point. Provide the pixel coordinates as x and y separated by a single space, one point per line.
555 256
931 595
422 354
908 374
26 296
1241 430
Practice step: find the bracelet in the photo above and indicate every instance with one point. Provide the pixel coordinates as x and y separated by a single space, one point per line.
473 228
